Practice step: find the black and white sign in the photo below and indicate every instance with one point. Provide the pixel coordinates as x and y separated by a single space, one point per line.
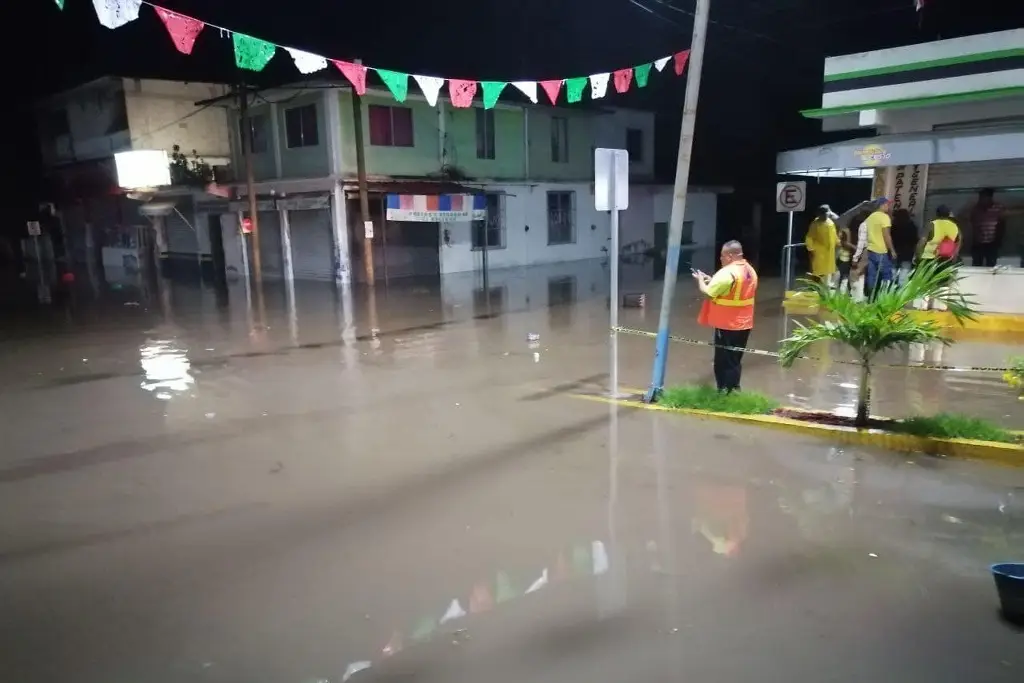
791 196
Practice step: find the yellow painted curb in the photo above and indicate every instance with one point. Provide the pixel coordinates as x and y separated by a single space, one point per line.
985 322
1000 453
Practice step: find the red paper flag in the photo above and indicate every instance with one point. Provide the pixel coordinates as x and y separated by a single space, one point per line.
623 77
552 88
355 73
184 30
480 599
680 60
461 92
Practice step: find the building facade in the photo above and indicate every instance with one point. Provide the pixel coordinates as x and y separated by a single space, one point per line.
938 122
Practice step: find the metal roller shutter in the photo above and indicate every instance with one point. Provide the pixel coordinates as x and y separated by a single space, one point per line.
312 244
271 258
181 238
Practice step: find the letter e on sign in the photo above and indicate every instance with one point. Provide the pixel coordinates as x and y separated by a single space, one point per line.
791 196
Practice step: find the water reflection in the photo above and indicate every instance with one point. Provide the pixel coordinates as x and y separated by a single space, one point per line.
166 367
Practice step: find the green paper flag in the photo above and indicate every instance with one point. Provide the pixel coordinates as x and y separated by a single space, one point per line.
252 53
581 563
424 627
60 4
574 88
492 90
397 82
503 590
641 74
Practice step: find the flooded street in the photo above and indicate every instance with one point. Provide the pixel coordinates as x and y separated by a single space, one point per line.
402 487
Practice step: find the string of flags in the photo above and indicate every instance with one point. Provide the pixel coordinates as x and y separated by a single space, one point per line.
254 54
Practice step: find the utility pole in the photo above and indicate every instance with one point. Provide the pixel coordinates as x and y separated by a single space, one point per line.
364 198
675 235
250 191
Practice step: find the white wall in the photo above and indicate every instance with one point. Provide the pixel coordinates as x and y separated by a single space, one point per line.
611 133
526 205
162 114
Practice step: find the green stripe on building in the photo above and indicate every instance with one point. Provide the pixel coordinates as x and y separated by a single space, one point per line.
928 64
978 96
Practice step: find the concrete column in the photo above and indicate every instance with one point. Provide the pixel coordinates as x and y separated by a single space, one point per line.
275 138
339 225
286 245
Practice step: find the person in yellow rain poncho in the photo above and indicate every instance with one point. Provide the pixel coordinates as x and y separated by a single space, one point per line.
822 240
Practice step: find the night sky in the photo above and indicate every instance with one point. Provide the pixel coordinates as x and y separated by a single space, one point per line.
763 61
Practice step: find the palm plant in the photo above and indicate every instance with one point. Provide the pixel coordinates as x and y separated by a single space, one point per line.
870 327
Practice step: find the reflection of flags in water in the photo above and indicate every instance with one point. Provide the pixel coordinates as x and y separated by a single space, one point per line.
600 558
561 568
455 611
539 583
503 590
722 517
480 599
394 645
354 668
424 627
581 563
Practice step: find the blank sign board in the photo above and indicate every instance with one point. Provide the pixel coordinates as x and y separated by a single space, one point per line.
611 179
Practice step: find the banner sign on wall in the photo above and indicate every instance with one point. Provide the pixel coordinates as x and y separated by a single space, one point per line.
431 208
908 189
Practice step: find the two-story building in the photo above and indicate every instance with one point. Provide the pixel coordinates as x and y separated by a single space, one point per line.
80 131
939 122
532 164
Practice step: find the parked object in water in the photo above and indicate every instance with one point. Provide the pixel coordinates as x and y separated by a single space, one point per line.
1009 577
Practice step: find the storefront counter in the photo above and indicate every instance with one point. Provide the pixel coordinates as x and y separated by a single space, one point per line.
995 290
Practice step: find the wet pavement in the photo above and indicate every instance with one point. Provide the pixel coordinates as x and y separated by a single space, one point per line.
183 498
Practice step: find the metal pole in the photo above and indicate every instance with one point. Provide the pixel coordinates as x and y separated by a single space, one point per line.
364 199
789 254
614 299
246 142
675 236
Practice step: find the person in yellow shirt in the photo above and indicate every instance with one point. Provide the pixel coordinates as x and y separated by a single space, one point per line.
941 244
881 254
821 241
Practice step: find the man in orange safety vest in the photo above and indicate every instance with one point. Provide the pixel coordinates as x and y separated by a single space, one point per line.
729 309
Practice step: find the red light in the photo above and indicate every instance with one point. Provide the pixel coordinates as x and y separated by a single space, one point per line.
247 225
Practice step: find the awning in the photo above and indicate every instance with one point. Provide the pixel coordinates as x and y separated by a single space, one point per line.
859 158
417 187
436 208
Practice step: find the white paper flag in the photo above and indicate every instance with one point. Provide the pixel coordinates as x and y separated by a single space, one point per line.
116 13
599 85
354 668
307 62
600 554
659 64
528 88
455 611
539 583
431 86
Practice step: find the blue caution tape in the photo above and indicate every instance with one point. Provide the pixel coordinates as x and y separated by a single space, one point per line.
776 354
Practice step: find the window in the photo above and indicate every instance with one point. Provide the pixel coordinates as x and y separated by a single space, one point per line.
300 127
258 133
559 139
635 144
484 133
561 218
390 126
491 232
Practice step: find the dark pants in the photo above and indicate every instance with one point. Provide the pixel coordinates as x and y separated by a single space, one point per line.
985 255
879 272
729 363
844 274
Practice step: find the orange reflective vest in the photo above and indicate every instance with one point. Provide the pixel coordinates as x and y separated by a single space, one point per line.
734 310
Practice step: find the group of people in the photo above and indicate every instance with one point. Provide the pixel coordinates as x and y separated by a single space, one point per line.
886 243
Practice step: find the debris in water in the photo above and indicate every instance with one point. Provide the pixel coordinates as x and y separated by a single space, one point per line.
952 520
872 555
533 337
536 356
210 416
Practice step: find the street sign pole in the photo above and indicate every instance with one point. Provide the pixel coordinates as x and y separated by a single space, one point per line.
789 253
614 308
790 197
611 194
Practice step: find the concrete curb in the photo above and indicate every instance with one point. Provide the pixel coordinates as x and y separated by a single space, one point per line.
1000 453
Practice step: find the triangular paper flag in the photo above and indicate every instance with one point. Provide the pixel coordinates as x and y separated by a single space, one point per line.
503 590
599 85
659 64
680 60
431 87
252 53
492 91
642 73
394 645
397 82
561 568
461 92
424 627
581 563
601 563
307 62
574 88
539 583
354 668
552 88
116 13
455 611
623 77
528 88
355 73
60 4
184 30
480 599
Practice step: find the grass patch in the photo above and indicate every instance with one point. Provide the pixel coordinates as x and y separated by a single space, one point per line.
708 398
955 426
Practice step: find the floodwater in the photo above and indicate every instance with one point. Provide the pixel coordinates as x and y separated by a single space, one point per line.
404 488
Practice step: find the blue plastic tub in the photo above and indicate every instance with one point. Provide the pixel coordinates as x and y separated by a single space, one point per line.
1009 578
